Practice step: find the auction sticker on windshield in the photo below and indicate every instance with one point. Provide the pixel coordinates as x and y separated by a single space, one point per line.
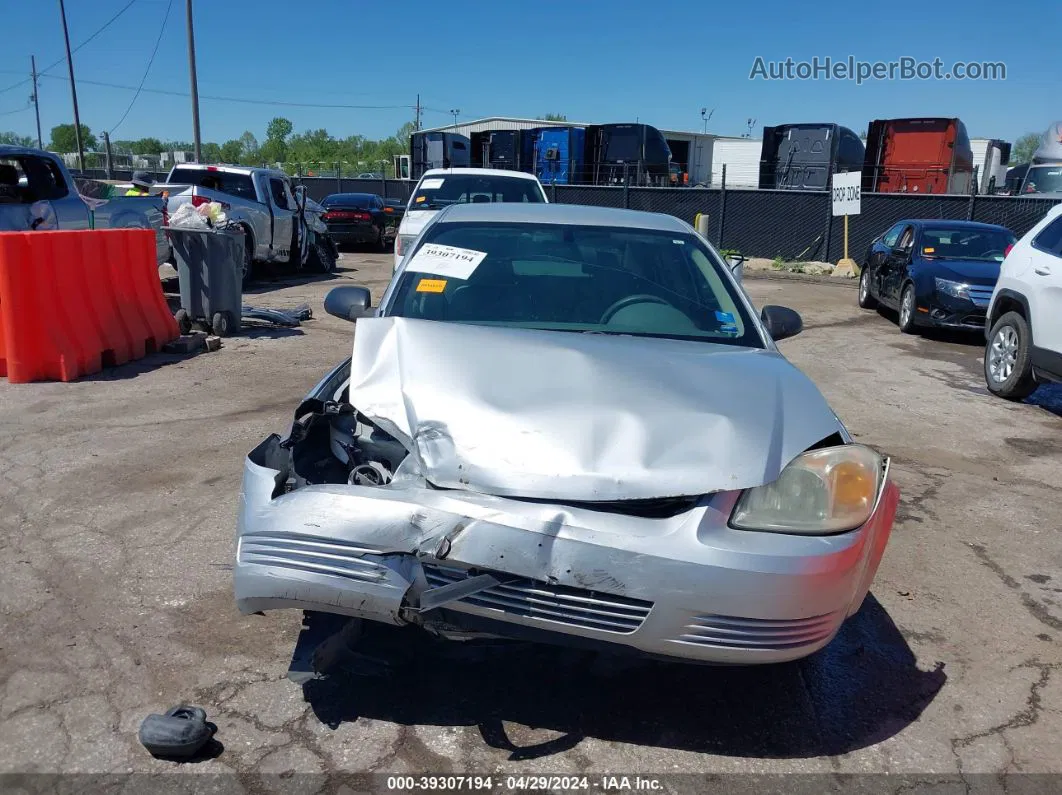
431 184
457 263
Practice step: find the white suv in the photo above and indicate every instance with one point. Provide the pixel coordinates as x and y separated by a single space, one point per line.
441 187
1024 323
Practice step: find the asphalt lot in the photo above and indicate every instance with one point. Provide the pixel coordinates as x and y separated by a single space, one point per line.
118 499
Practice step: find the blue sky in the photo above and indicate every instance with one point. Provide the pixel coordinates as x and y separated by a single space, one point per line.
593 60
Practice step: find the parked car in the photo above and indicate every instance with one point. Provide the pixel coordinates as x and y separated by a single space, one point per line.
38 192
440 188
1024 324
281 223
358 218
935 273
568 423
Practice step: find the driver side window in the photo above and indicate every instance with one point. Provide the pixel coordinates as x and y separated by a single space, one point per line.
892 236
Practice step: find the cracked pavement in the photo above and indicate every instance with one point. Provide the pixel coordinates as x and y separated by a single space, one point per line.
116 540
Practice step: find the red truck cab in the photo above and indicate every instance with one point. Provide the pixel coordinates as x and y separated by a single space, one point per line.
918 156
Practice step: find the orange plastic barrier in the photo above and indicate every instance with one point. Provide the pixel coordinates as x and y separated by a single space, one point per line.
72 303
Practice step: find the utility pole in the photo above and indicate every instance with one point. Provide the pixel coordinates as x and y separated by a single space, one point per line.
36 100
195 84
416 123
73 90
108 162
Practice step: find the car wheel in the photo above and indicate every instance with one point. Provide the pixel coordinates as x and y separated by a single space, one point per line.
866 300
1008 358
907 310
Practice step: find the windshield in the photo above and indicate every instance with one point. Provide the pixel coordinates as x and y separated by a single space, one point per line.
989 245
573 278
1044 179
434 193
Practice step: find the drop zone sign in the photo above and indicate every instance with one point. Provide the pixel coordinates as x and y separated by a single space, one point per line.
845 189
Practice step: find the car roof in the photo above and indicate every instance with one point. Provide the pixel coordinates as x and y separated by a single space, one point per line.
485 172
571 214
945 223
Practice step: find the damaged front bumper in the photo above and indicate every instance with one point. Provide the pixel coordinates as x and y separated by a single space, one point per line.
674 583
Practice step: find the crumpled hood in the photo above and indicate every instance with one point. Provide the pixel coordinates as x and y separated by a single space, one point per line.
572 417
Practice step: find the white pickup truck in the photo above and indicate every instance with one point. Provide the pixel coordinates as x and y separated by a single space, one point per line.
37 192
277 217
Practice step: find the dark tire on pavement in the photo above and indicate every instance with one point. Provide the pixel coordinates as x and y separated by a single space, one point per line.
907 310
866 300
1008 358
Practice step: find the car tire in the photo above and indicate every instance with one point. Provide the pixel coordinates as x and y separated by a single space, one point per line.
908 309
866 300
1008 358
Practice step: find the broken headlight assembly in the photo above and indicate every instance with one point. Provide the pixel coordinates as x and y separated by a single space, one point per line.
823 491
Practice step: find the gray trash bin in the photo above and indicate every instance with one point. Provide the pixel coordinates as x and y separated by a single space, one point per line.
209 269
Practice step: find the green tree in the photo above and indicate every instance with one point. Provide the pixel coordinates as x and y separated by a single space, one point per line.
211 153
14 139
553 117
1022 151
231 151
250 152
65 140
146 146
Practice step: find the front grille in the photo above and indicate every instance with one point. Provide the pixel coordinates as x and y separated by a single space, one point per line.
555 603
980 295
733 632
311 554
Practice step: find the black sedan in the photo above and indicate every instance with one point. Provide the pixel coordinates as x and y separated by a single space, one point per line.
358 218
935 273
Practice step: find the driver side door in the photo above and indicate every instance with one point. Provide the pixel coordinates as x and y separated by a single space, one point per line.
282 203
897 259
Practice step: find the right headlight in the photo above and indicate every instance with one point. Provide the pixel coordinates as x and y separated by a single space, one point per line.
830 490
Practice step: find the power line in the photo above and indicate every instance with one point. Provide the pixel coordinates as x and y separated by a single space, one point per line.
236 99
17 110
100 30
151 60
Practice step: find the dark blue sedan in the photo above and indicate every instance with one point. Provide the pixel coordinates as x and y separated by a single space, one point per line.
935 273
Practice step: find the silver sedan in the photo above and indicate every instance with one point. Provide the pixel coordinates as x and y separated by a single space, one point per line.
568 424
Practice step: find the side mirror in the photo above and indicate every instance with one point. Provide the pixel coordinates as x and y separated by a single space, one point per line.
902 253
781 322
300 195
348 303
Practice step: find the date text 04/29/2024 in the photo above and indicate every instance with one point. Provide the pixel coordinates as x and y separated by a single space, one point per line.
600 783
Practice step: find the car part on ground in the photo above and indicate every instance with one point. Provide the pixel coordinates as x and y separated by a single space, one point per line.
279 317
180 733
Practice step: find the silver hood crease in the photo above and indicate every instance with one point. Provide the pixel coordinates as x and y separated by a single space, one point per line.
572 417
